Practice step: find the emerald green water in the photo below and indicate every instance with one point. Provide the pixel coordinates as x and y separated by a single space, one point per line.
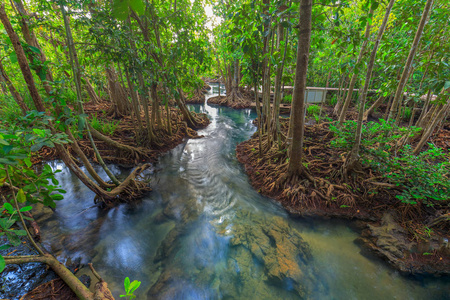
204 233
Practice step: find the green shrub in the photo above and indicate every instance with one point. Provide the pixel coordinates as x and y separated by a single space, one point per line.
422 178
407 113
312 110
333 100
104 126
287 99
9 110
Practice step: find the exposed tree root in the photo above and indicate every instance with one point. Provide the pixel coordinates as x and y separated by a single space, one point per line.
121 147
236 99
324 190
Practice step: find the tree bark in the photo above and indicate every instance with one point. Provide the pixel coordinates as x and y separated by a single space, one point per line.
351 86
353 158
295 166
412 52
15 94
31 40
22 60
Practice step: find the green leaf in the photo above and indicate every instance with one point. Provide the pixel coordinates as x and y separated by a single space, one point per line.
21 198
4 247
57 197
34 49
13 57
134 285
26 208
138 6
20 232
126 284
14 239
8 207
39 132
447 85
27 161
120 9
7 149
2 264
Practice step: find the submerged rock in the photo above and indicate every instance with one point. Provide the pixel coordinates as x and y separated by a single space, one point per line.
276 246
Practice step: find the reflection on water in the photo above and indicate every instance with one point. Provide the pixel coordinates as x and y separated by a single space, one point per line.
204 233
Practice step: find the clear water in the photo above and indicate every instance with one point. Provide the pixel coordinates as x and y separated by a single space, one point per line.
204 233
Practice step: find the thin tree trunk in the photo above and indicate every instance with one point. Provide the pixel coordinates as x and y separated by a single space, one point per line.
431 127
22 60
412 52
77 78
15 94
31 40
370 110
424 108
351 86
91 92
353 158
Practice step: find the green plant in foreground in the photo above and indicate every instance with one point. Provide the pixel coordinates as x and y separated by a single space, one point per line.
313 110
130 288
287 99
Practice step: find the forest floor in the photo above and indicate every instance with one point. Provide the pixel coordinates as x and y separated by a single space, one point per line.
124 131
400 233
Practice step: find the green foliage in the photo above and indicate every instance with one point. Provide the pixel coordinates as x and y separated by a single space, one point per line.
312 110
407 113
16 145
9 110
287 99
421 178
333 100
130 288
106 127
374 134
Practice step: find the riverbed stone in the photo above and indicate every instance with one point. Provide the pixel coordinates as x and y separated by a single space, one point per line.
275 245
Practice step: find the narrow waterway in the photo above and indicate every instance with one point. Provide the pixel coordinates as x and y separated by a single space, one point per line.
204 233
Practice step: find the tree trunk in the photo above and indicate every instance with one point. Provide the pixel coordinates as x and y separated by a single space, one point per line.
15 94
22 60
31 40
353 159
77 78
412 52
295 166
91 92
370 110
351 86
428 131
275 131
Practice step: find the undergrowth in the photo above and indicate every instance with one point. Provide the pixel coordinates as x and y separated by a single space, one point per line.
9 110
106 127
422 178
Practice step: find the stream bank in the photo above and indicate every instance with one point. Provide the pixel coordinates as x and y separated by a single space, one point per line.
380 213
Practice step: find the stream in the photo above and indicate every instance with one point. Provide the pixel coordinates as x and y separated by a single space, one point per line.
205 233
